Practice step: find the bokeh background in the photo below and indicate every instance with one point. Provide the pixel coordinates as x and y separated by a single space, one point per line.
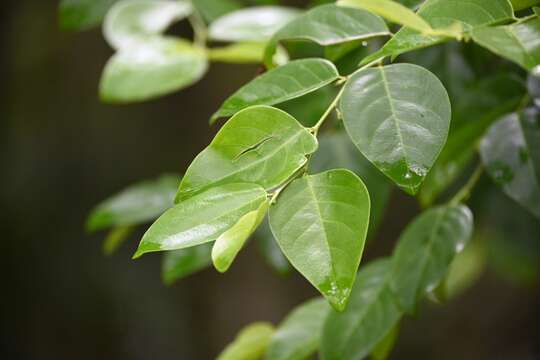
62 151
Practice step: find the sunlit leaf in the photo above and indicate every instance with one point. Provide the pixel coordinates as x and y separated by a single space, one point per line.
82 14
250 343
178 264
238 53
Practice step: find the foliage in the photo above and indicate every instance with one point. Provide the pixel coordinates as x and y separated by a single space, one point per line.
313 145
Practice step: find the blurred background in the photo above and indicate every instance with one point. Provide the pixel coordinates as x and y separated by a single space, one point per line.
62 151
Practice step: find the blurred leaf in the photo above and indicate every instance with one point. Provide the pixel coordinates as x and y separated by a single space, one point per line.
284 83
411 4
371 314
82 14
328 25
309 108
400 129
270 249
231 241
298 336
139 203
150 69
385 346
509 151
178 264
210 10
115 238
250 343
251 24
517 42
201 218
523 4
238 53
466 268
425 251
321 222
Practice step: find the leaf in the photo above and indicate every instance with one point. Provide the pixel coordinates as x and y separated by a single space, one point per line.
321 222
239 53
150 69
82 14
260 144
466 268
136 204
523 4
131 22
202 218
328 25
372 314
517 42
385 346
210 10
178 264
509 157
398 116
298 336
115 238
250 343
278 85
270 249
425 251
256 23
309 108
231 241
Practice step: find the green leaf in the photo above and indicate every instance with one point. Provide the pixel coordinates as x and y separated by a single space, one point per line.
131 22
202 218
150 69
115 238
278 85
298 336
509 152
321 222
371 315
425 251
239 53
270 249
82 14
398 116
231 241
517 42
210 10
466 268
385 346
523 4
260 144
136 204
257 23
250 343
178 264
328 25
309 108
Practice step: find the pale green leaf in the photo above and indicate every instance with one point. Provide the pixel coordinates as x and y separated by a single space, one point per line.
278 85
250 343
298 336
115 238
238 53
270 249
321 222
82 14
398 116
260 144
201 218
385 346
178 264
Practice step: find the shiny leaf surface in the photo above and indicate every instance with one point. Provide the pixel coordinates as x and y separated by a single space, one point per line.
178 264
250 343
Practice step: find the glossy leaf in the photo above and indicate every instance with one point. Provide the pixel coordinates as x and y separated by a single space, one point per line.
231 241
251 24
115 238
260 144
238 53
278 85
136 204
82 14
398 116
250 343
372 313
425 251
150 69
178 264
298 336
202 218
321 222
270 249
509 151
329 25
210 10
130 22
519 42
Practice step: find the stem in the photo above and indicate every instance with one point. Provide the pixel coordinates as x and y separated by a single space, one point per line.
465 192
199 29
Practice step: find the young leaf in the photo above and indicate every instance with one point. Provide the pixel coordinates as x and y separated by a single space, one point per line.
298 336
260 144
425 251
278 85
178 264
150 69
130 22
231 241
238 53
372 314
321 222
517 42
202 218
257 23
136 204
250 343
509 152
82 14
328 25
398 116
270 249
